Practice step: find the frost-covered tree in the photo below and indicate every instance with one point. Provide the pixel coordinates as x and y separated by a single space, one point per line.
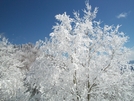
26 55
82 62
11 78
15 61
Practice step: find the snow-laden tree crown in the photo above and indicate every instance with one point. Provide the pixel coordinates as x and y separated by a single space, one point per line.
82 61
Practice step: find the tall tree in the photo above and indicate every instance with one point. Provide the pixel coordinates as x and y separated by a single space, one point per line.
83 61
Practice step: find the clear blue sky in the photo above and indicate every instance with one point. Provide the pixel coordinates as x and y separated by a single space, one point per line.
23 21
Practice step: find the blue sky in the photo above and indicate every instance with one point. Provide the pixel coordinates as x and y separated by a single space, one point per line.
23 21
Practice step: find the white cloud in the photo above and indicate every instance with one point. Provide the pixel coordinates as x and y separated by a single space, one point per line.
122 15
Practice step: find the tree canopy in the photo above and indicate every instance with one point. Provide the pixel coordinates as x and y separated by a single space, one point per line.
82 61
